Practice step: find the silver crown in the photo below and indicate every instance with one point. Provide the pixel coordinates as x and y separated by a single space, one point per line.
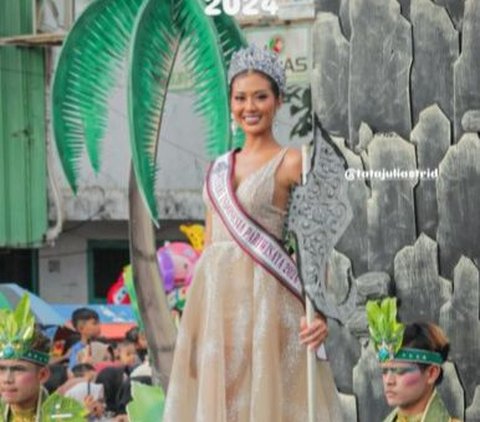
255 58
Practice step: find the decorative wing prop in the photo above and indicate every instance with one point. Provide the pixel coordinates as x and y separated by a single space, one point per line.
148 403
60 408
319 214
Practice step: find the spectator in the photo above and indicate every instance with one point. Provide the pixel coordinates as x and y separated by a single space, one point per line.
127 354
112 379
87 323
137 336
81 387
97 354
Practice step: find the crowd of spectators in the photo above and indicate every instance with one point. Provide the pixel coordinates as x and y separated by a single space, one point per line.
99 373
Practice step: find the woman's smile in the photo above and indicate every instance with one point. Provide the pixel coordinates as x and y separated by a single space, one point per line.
251 119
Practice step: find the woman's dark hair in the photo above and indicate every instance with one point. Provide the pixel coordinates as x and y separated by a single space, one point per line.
273 84
132 334
427 336
81 369
58 376
111 378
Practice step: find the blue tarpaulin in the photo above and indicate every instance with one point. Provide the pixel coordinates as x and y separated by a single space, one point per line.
109 314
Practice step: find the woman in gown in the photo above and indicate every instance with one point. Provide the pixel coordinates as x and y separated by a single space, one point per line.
241 349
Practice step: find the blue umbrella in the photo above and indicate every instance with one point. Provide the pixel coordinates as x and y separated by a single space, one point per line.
44 313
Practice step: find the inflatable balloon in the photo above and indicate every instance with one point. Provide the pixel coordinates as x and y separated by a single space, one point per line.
195 234
117 294
176 261
167 269
184 257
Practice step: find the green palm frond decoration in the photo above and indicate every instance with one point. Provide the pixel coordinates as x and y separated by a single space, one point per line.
132 293
231 40
152 56
209 45
385 331
204 59
57 407
85 75
94 51
230 35
148 403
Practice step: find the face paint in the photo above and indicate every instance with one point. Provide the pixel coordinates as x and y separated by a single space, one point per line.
412 378
404 384
399 370
19 382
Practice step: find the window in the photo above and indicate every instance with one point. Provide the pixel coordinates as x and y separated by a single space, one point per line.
19 266
106 260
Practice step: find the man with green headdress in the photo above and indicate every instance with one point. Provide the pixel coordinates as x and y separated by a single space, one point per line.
24 356
411 359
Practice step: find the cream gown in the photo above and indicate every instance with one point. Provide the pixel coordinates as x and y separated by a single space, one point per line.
238 357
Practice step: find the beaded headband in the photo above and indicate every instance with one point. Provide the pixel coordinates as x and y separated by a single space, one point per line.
259 59
17 331
387 335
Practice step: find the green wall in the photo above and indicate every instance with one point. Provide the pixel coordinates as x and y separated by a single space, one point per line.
23 178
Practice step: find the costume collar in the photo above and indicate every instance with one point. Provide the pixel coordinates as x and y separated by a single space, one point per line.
434 412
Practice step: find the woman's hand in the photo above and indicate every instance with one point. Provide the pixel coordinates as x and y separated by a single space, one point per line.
94 407
313 335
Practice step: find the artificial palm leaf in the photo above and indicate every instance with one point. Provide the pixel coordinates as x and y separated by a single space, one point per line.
385 331
24 319
58 407
132 294
230 35
17 327
231 40
90 58
152 55
204 59
147 404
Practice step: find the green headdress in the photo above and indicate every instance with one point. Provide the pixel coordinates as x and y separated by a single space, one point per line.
17 332
387 335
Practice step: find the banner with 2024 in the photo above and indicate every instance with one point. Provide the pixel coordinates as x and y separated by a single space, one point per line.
241 7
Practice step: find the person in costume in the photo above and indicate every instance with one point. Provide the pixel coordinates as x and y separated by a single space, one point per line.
241 348
24 356
411 359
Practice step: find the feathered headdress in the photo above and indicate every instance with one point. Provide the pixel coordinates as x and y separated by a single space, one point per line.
17 332
387 335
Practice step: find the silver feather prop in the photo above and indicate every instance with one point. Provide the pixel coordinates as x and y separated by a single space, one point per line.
319 214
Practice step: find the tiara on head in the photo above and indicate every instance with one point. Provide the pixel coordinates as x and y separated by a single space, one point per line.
255 58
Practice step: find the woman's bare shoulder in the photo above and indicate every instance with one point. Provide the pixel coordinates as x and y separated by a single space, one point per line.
292 164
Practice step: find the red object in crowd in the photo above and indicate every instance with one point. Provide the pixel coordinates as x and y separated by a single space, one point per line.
117 294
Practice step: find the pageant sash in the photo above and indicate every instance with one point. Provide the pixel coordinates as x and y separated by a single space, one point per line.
255 241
